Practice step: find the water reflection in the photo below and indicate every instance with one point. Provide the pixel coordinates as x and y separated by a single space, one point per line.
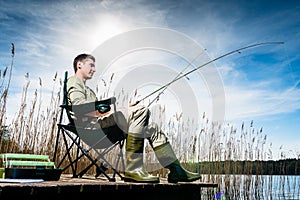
249 187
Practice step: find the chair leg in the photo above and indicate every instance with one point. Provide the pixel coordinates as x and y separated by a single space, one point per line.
75 145
100 170
120 158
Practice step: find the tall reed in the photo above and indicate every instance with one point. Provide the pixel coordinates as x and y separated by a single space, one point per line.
4 88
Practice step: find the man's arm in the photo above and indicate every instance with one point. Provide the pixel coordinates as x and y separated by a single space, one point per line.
84 100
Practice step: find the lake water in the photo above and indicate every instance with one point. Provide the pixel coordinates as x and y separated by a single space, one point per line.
253 187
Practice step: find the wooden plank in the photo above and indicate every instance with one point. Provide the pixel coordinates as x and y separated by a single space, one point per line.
89 187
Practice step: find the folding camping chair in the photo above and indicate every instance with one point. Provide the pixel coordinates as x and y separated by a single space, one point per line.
83 144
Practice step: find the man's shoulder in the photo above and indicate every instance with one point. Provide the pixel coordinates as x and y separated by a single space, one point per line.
72 80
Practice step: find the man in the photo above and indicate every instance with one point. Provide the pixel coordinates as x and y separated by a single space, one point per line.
136 126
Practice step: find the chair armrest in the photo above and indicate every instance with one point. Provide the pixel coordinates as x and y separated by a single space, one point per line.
110 100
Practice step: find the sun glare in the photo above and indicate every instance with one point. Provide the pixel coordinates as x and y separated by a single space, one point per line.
106 27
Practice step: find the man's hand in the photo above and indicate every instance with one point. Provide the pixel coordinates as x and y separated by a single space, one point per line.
134 103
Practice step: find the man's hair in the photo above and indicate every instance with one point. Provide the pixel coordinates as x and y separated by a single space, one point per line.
81 58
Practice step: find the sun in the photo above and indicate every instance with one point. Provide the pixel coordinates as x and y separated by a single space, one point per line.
106 27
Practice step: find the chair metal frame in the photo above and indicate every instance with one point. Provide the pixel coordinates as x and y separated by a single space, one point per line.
73 142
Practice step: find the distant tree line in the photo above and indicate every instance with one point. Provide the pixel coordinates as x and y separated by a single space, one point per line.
271 167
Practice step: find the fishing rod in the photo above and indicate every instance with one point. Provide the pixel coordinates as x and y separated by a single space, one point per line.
161 92
197 68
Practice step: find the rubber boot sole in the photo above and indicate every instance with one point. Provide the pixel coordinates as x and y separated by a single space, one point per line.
126 179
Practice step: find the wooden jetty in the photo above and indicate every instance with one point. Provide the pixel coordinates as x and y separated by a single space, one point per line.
90 187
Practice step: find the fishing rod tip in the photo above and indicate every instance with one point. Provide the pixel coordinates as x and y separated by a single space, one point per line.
278 42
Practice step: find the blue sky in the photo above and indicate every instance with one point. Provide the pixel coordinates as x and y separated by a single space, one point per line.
260 84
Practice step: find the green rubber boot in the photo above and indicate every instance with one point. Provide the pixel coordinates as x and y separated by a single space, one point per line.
135 170
168 159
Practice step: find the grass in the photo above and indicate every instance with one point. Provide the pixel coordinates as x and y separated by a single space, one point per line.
33 130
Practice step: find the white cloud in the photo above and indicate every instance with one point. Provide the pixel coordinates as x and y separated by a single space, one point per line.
248 102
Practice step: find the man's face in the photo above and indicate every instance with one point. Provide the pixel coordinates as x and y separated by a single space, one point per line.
87 68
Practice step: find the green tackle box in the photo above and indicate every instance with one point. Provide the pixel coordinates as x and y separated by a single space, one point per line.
29 166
